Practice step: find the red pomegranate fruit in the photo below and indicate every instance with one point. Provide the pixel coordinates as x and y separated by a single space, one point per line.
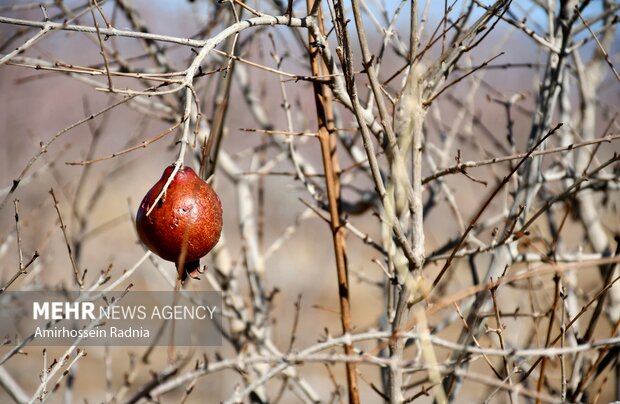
186 223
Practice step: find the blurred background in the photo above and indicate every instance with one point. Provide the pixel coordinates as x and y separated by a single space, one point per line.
98 201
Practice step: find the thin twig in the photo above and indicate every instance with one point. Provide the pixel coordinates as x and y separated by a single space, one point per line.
600 46
142 145
486 203
78 277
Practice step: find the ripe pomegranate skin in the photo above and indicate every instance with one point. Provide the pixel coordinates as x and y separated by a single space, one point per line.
189 213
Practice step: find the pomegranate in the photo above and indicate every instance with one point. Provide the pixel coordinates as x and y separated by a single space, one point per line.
186 223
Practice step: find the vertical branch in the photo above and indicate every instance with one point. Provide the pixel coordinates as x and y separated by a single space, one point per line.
499 330
79 278
563 385
590 78
212 146
102 51
21 270
556 299
345 55
222 95
18 236
325 115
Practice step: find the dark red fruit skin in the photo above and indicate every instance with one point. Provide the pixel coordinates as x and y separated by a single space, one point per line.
189 213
